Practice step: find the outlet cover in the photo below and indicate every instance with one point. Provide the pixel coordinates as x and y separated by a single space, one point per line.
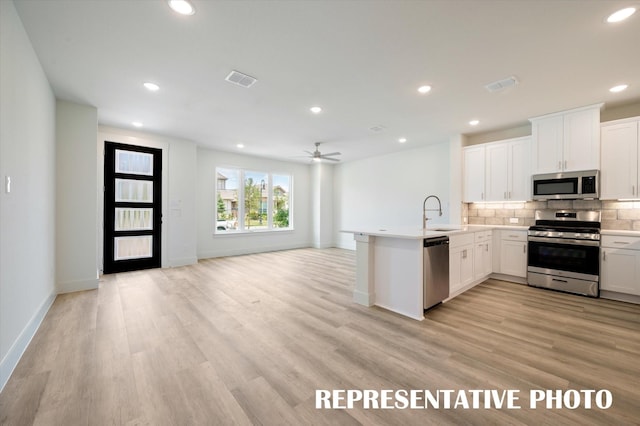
513 220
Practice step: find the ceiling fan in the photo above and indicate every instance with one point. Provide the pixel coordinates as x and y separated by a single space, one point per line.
318 156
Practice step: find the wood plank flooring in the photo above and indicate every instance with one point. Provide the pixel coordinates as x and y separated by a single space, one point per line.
248 340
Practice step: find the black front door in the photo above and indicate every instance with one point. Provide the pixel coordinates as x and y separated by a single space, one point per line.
132 207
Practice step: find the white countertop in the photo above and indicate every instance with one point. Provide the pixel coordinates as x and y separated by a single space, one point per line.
430 232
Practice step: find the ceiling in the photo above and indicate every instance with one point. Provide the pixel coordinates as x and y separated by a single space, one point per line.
361 61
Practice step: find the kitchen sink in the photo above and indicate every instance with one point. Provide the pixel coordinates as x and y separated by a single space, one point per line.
443 229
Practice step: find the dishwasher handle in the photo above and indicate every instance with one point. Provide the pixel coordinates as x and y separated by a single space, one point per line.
437 241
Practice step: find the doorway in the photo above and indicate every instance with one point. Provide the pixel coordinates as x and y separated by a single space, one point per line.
132 207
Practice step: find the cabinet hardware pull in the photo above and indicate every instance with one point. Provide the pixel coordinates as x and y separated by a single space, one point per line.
482 195
509 195
565 164
524 249
620 242
464 253
559 165
505 195
562 281
633 190
604 256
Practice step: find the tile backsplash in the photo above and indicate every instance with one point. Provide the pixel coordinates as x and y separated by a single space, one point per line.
621 215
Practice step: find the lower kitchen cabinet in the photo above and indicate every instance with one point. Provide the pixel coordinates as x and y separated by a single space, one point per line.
460 262
483 255
513 253
620 267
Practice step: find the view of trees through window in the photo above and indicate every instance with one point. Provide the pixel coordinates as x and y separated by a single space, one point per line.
249 200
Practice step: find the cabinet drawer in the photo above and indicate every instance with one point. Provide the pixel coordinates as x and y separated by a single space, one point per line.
460 240
620 241
482 236
513 235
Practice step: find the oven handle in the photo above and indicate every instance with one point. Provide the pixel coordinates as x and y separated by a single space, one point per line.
567 241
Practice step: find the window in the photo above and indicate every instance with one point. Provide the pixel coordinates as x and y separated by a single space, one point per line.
248 200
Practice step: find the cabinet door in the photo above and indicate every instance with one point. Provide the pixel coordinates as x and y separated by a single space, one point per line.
466 269
620 271
482 260
455 267
619 169
496 172
547 144
581 140
519 170
513 258
474 173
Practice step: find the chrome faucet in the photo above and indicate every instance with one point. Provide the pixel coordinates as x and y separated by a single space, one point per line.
424 210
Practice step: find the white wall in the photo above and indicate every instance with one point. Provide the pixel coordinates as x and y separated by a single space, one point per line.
178 239
27 214
388 191
233 244
322 204
76 197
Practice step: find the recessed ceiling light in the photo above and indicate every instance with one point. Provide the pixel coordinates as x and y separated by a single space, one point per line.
621 14
182 7
315 109
152 86
402 140
618 88
240 145
474 122
136 124
424 89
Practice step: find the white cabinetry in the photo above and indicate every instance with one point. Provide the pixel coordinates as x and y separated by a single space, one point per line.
507 168
498 171
513 253
473 166
619 173
483 255
460 262
620 266
567 141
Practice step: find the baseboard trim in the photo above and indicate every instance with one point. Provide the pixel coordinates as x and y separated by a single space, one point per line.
621 297
173 263
82 285
248 250
10 361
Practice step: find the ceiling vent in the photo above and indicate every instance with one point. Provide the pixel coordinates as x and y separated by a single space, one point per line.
240 79
499 85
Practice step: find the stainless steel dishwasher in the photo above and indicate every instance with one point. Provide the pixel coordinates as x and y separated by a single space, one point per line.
435 270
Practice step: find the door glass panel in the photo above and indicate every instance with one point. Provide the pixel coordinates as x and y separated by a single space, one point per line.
131 219
129 190
133 247
137 163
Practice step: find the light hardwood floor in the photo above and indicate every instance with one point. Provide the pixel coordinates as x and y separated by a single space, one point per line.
248 340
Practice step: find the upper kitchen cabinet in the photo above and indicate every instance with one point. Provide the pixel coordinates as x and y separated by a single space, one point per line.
567 141
474 170
498 171
620 159
508 176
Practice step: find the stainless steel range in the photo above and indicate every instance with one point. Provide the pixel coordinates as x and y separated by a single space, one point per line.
564 251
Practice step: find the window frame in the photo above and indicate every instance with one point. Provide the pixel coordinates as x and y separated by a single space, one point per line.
241 209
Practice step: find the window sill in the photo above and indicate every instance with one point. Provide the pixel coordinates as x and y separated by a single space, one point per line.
254 232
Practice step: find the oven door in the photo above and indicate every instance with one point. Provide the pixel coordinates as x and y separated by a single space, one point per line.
564 257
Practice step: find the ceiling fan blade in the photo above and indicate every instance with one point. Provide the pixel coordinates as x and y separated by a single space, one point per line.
332 153
324 157
309 152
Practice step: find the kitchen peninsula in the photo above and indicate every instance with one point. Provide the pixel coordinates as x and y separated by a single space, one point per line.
389 264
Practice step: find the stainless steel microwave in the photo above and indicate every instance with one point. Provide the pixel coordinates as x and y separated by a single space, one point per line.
567 186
